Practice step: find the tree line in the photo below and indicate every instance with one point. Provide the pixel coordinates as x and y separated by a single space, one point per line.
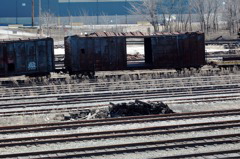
177 15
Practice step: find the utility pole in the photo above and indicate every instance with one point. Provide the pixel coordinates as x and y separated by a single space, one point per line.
97 13
16 11
32 13
40 14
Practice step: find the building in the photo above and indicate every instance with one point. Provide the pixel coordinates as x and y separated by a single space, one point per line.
67 11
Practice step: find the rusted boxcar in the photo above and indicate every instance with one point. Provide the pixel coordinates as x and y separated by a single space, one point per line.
31 57
95 53
107 51
178 50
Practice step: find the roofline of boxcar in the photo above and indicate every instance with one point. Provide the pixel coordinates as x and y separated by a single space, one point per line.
24 40
131 34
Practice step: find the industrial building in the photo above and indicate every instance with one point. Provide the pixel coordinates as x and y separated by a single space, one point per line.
67 11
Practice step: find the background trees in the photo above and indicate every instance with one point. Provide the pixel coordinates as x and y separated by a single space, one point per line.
204 15
149 10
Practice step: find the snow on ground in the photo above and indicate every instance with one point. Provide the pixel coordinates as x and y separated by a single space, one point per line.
59 51
217 48
12 34
134 49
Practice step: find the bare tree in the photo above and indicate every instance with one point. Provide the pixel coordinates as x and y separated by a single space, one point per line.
149 10
48 21
180 18
216 9
208 12
168 8
232 12
198 8
188 21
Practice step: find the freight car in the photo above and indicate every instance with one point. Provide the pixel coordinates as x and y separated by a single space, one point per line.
31 57
106 51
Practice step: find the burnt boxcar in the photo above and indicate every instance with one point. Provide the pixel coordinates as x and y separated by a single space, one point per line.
106 51
178 50
85 55
31 57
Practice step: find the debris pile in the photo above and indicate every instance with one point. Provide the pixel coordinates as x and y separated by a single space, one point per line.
136 108
139 108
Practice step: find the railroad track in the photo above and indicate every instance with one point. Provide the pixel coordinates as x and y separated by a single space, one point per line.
138 147
60 110
161 94
106 76
222 42
121 85
172 129
114 121
157 90
181 135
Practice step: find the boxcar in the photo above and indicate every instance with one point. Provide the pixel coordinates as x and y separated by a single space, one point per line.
31 57
178 50
87 55
106 51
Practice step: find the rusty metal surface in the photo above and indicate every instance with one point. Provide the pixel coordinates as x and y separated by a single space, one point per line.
26 57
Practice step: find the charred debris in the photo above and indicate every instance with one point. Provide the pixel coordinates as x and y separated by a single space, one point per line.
136 108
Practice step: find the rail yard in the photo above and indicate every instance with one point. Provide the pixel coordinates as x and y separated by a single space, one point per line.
173 112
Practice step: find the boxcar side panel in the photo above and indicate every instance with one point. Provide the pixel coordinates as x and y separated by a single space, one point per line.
67 59
90 56
20 56
201 48
31 57
74 45
99 50
42 55
49 53
11 59
165 51
2 61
